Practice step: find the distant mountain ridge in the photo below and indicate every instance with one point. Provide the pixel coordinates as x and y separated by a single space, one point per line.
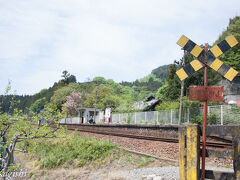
158 74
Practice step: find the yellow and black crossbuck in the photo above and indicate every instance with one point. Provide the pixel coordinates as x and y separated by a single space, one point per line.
213 62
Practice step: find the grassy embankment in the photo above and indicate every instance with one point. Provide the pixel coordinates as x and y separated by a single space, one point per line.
76 151
73 150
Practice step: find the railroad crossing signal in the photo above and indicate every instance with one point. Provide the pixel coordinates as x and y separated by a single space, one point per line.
213 62
207 58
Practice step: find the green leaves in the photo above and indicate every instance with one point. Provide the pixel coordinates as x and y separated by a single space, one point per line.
38 105
232 56
54 153
105 98
60 95
20 129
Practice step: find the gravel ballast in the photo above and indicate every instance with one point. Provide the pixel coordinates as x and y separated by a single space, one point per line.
155 173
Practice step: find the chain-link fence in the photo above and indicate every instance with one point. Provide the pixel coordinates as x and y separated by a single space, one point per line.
78 120
149 117
72 120
223 115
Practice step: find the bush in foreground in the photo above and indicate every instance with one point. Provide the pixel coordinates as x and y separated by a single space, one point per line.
72 150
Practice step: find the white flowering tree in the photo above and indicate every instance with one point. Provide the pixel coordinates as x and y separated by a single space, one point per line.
73 103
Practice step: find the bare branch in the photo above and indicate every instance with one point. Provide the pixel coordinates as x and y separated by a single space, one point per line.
4 131
42 136
21 150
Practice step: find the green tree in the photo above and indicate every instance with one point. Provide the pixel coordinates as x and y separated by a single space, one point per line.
67 78
105 98
161 93
38 105
18 128
232 56
171 90
99 80
60 95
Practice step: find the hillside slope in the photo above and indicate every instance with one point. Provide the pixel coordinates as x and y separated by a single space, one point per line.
232 56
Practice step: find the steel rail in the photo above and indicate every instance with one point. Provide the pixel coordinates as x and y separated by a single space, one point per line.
224 145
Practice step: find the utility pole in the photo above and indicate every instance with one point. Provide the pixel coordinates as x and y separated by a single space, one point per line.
95 105
182 90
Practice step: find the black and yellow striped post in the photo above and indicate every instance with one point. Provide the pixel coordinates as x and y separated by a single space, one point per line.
224 45
196 51
189 69
191 47
213 62
216 64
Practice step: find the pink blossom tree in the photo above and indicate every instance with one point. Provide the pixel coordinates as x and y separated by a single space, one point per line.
73 103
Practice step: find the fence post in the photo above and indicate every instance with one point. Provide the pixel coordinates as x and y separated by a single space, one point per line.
236 157
221 114
157 118
145 116
188 115
135 118
171 116
166 112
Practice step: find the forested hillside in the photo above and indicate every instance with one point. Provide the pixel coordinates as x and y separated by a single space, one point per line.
232 56
123 95
44 96
149 84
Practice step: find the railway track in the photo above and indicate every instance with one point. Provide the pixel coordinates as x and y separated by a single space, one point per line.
220 143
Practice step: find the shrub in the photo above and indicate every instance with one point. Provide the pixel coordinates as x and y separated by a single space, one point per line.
52 154
211 119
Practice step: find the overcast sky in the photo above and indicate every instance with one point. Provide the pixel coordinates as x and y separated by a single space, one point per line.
121 40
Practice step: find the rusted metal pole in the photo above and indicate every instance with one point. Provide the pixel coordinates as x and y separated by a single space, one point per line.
204 115
95 105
